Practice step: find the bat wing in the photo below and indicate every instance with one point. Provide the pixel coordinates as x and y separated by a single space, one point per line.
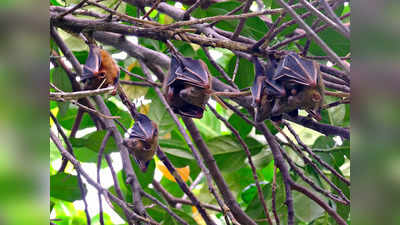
258 84
194 72
143 128
172 70
298 70
273 88
93 62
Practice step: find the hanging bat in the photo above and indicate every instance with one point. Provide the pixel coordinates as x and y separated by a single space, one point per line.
100 70
142 141
301 78
264 90
189 86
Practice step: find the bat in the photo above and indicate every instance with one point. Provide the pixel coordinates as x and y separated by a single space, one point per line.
264 90
301 78
189 86
100 69
142 140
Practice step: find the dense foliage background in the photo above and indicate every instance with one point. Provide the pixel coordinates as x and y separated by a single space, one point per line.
318 161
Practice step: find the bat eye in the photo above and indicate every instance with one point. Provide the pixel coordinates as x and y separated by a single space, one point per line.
293 91
155 132
270 98
146 146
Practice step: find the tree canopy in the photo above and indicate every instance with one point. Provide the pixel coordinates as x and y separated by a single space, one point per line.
225 167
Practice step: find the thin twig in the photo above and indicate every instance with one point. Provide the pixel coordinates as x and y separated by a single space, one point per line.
140 77
78 94
273 194
219 68
333 16
280 163
235 70
99 158
161 155
339 220
229 13
247 151
187 13
316 38
325 18
242 21
339 102
157 202
105 192
151 10
209 159
188 141
131 177
319 160
308 180
70 151
173 200
77 6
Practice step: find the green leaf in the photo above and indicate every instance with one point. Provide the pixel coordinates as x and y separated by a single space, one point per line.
209 126
144 178
172 187
176 148
331 153
244 175
343 210
268 171
55 3
245 72
254 208
306 209
95 139
230 162
65 187
68 120
61 80
159 114
106 218
337 42
81 56
248 193
86 155
131 10
291 28
254 27
240 125
169 220
54 152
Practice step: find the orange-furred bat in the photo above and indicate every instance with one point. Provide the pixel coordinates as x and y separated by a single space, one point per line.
100 70
142 140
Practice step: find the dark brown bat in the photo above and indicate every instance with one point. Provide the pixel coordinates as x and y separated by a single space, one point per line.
100 70
142 140
264 90
188 86
301 78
